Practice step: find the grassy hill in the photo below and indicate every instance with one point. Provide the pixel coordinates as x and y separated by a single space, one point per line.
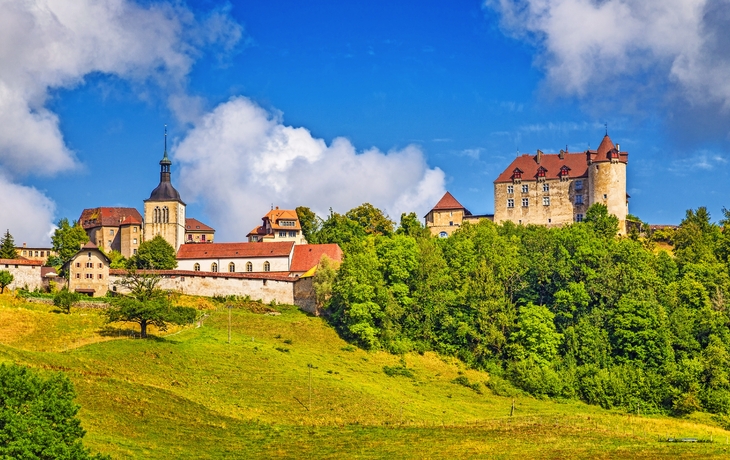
189 393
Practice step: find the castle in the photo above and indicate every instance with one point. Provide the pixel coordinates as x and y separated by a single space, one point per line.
548 189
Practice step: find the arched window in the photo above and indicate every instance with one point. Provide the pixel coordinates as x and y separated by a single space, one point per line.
196 267
156 214
214 267
443 235
232 267
267 266
165 215
249 267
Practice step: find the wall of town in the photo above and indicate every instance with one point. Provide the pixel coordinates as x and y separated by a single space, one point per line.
304 295
24 276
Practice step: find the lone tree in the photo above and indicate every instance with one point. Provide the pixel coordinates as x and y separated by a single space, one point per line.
147 304
65 299
7 247
155 254
38 416
5 279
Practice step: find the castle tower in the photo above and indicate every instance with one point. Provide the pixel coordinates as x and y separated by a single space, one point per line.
607 180
164 211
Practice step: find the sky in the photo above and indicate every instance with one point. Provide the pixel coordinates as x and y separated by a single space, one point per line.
330 104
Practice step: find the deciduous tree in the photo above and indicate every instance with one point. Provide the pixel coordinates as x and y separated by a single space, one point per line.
67 239
5 279
155 254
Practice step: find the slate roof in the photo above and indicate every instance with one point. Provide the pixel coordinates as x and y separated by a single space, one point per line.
307 256
109 217
194 225
235 250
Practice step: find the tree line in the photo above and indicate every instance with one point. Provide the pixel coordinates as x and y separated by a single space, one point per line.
571 312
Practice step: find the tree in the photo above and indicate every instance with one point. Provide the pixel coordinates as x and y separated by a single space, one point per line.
117 259
65 299
67 239
38 416
5 279
155 254
536 336
603 223
323 279
309 221
7 247
147 304
339 229
371 219
410 225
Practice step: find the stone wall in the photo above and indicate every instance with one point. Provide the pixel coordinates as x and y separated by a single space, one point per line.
608 186
304 295
24 276
561 210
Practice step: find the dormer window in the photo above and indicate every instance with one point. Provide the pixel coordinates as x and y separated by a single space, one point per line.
541 172
517 175
564 172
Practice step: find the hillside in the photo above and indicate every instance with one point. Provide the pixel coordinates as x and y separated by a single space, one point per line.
190 393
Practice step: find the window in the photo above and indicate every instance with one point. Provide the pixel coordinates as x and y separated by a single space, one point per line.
579 199
451 223
156 214
24 253
443 235
214 267
78 275
546 201
134 240
541 172
579 185
605 196
109 243
89 276
196 267
43 253
190 237
36 253
510 189
267 266
510 203
202 238
78 264
165 215
135 251
254 239
579 217
101 277
525 188
545 187
101 265
525 202
282 233
134 229
89 264
292 234
249 267
232 267
287 223
111 232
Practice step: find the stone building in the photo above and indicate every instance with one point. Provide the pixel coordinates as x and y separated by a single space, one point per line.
278 225
556 189
39 254
88 271
26 273
113 229
448 215
198 232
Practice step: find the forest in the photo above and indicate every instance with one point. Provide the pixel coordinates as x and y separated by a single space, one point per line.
576 312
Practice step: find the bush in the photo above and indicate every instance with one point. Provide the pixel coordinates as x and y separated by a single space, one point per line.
401 371
464 381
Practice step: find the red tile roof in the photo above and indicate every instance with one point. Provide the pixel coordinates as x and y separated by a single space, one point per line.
605 151
277 276
307 256
109 217
260 230
448 202
20 262
275 215
576 162
234 250
194 225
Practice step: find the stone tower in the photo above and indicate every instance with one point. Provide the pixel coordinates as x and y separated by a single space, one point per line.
607 180
164 211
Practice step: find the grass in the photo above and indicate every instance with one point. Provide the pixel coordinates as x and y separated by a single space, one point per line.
189 393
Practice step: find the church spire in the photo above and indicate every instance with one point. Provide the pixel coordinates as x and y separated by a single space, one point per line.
165 191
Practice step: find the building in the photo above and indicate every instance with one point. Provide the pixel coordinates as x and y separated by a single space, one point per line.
164 211
198 232
38 254
26 273
278 225
448 215
236 257
113 229
557 189
88 271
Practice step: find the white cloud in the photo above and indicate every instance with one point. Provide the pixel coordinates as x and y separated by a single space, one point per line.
240 159
26 212
50 44
585 45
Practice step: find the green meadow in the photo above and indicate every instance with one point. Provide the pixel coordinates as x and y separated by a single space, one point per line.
288 387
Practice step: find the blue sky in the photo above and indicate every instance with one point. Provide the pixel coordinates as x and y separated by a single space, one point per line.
331 104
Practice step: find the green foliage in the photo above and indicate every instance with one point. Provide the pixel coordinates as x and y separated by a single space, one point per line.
465 382
117 259
398 371
7 246
309 222
338 229
372 220
410 225
324 278
65 299
601 221
67 239
535 337
5 279
154 254
38 416
146 305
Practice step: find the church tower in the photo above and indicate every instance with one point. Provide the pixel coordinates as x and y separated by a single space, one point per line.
164 211
607 180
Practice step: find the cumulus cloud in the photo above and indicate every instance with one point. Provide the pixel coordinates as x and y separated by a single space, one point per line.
51 44
26 212
240 159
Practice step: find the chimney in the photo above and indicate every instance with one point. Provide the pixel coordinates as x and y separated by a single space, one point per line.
618 147
539 156
562 154
24 245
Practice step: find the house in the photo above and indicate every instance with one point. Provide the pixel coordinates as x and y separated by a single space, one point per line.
198 232
278 225
88 271
113 229
448 215
26 273
40 254
236 257
557 189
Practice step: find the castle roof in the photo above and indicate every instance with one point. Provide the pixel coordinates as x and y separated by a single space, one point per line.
307 256
606 152
551 162
109 217
448 202
165 192
194 225
235 250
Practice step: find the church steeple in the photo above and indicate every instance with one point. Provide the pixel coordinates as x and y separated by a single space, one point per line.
165 191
